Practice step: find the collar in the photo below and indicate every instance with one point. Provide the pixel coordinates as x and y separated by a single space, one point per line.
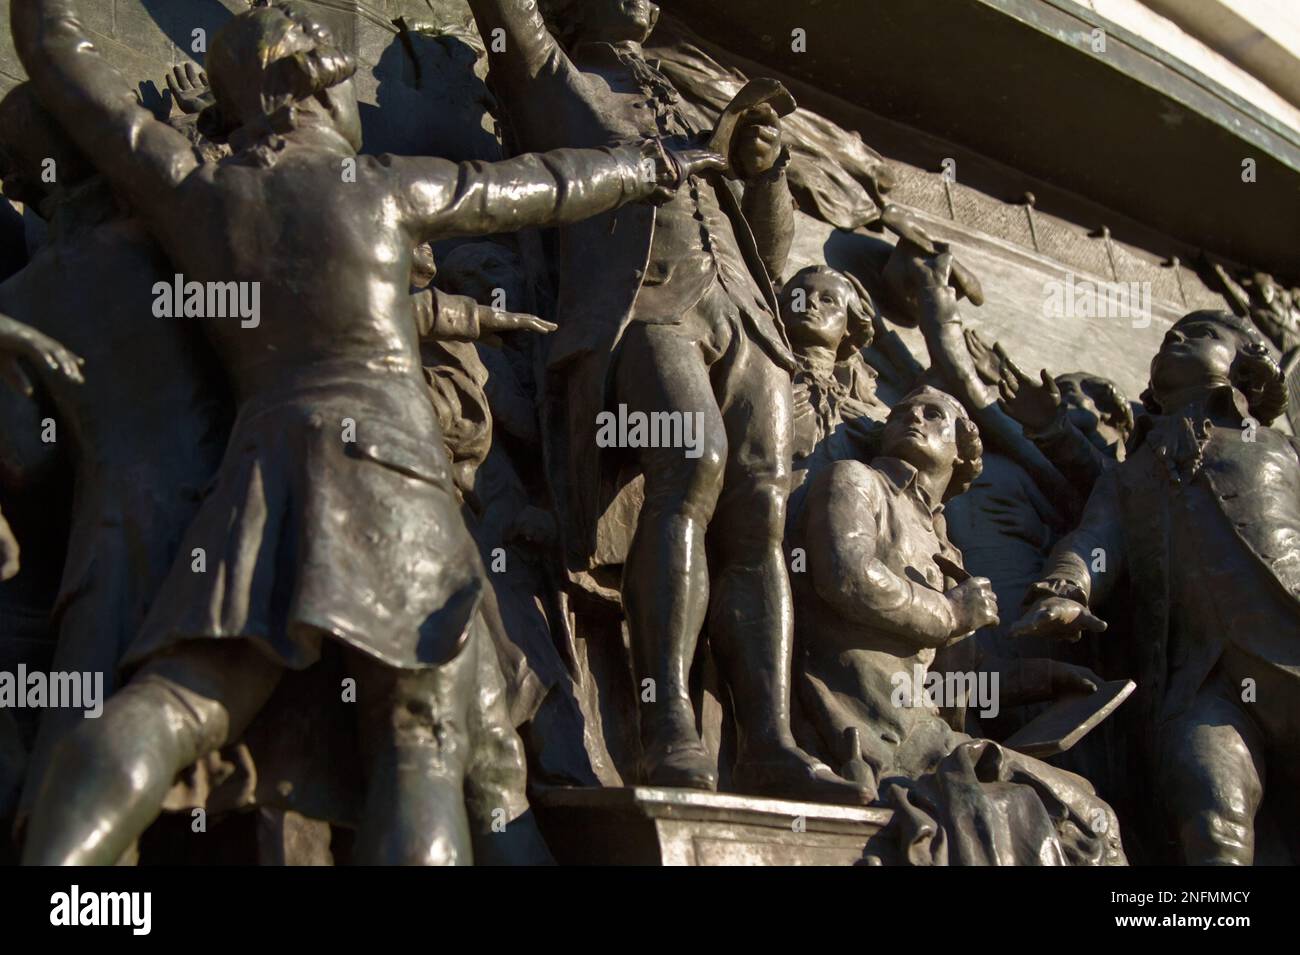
903 476
1222 401
817 364
602 53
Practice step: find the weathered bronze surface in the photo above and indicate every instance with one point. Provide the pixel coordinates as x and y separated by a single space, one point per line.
512 432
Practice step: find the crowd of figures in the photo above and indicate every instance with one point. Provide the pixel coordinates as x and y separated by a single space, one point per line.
359 556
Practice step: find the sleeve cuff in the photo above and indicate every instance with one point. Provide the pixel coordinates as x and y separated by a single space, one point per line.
1055 587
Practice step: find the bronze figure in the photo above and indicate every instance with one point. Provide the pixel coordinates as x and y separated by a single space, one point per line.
1204 518
672 311
332 421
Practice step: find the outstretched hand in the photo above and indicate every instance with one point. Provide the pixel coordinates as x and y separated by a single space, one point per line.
190 89
491 320
911 274
988 363
675 166
1057 617
1033 403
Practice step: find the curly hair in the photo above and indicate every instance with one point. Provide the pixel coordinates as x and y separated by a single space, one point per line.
1264 400
1111 402
970 448
260 66
861 309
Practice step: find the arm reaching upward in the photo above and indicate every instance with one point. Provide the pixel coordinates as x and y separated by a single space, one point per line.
142 157
526 49
532 77
920 283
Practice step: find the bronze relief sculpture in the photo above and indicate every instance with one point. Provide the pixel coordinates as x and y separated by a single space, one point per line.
1203 517
419 503
214 645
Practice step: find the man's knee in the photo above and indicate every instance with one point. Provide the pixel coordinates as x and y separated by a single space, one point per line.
198 723
751 515
420 711
687 484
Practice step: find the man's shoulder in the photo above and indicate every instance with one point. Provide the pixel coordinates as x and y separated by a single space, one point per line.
853 475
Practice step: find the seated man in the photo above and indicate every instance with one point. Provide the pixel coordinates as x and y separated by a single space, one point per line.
1203 517
877 601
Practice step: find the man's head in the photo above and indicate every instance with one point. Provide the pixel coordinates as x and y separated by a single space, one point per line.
931 431
1097 407
479 269
270 62
821 307
1205 349
36 155
608 21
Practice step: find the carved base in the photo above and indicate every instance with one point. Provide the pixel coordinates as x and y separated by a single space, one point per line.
648 826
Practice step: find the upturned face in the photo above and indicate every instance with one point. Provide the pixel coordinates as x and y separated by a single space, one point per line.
921 430
617 21
815 310
1193 353
242 77
1084 414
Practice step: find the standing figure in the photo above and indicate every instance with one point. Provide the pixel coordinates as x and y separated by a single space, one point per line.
1203 518
333 516
672 312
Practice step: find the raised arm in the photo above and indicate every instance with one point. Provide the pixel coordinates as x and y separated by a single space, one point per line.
920 283
445 199
1038 407
848 574
142 157
523 49
529 72
767 204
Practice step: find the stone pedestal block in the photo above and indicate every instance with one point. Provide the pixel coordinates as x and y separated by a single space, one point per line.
649 826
